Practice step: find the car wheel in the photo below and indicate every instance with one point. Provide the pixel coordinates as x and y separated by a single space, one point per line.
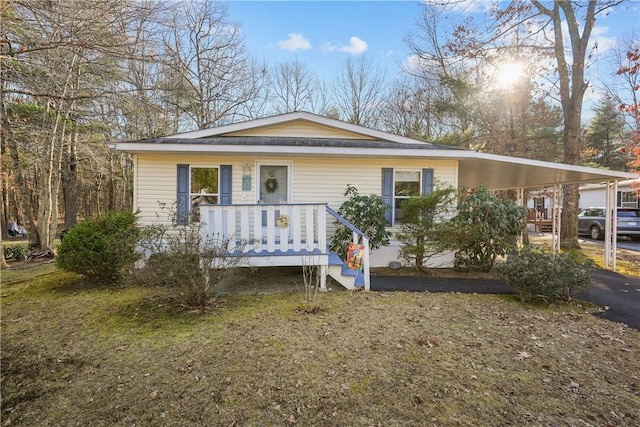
596 233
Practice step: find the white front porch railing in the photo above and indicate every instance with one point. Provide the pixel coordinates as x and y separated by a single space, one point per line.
276 235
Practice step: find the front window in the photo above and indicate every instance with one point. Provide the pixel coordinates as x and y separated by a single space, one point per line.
405 184
204 188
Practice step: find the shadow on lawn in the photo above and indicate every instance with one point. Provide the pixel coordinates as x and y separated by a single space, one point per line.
156 312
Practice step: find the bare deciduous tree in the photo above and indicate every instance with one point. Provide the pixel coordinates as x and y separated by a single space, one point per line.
359 91
293 86
206 65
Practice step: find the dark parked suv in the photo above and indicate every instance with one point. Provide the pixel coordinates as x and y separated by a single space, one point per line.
591 222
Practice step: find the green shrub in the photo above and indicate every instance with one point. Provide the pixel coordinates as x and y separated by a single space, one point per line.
484 229
18 253
535 272
417 233
367 214
101 247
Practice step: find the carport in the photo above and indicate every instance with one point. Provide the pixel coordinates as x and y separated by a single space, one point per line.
497 172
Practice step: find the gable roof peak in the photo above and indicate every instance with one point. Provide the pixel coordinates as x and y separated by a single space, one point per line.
283 118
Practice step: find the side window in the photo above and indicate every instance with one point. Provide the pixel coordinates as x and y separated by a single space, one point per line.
406 184
628 199
204 188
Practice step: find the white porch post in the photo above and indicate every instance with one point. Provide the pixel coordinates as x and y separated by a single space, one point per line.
521 202
556 213
611 226
614 230
366 271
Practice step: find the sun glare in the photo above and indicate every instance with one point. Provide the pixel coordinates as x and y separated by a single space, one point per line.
509 73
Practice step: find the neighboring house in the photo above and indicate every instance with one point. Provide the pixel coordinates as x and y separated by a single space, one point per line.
277 181
594 195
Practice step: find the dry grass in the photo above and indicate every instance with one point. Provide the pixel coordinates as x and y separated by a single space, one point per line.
627 262
74 354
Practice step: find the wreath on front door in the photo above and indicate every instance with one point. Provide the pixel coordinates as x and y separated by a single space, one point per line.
271 184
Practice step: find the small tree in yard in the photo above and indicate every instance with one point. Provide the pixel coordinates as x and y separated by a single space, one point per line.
311 281
535 272
101 247
181 258
484 228
417 233
367 214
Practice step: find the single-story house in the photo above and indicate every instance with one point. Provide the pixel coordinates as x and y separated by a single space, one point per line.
591 195
276 182
594 195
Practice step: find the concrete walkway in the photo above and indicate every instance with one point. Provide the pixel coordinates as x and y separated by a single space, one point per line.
618 295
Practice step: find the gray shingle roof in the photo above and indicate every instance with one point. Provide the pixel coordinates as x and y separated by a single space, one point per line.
296 142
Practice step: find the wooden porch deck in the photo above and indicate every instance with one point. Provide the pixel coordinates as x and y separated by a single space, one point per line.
283 235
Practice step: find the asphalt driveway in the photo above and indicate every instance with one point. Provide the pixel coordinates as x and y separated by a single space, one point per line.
618 295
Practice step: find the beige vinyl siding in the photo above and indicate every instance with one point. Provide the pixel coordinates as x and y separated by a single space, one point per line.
300 128
317 180
324 180
157 181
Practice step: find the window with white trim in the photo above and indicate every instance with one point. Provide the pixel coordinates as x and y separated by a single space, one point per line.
204 188
405 184
628 199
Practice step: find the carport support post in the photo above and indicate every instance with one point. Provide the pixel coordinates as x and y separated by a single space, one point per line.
556 214
521 202
611 226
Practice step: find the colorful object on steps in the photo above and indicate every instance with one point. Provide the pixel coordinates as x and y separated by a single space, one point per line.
355 256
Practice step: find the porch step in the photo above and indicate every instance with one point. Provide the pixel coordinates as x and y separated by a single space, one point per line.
342 274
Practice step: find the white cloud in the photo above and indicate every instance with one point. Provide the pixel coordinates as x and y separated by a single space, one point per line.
296 41
412 63
329 47
356 46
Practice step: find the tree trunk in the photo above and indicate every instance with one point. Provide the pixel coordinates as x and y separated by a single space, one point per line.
22 193
572 88
70 182
3 262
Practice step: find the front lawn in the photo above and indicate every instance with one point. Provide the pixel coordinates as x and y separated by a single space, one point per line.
74 354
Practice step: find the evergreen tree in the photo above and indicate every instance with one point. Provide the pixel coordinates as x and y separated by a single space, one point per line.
605 136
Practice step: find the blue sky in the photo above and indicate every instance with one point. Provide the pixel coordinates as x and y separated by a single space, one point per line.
323 34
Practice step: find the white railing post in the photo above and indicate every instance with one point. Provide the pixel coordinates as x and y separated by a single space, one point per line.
296 228
257 228
321 213
309 237
366 271
245 240
231 234
271 231
284 231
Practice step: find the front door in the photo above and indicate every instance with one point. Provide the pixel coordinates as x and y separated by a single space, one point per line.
274 184
273 189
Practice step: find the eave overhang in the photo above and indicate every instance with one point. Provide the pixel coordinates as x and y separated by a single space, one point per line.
475 169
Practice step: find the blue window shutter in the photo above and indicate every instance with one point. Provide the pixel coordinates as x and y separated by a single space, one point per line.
427 181
225 184
387 192
182 215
